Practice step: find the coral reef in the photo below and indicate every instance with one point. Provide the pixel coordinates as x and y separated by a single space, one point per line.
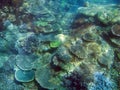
59 45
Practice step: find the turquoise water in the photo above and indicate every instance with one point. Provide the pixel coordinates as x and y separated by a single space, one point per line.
59 45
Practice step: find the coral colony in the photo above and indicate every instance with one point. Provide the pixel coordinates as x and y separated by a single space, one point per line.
59 45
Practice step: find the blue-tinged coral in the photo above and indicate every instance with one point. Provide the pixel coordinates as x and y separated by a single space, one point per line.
7 83
7 75
101 82
44 77
24 76
4 46
3 58
7 38
25 62
27 44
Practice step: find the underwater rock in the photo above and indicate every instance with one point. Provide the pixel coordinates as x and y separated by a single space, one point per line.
116 30
43 76
24 76
101 82
25 62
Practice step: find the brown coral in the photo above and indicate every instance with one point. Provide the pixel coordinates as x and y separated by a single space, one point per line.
116 30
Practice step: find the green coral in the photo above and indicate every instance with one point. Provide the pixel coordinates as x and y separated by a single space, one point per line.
41 23
55 44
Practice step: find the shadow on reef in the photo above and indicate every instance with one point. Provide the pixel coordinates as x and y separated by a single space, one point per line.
74 81
12 3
